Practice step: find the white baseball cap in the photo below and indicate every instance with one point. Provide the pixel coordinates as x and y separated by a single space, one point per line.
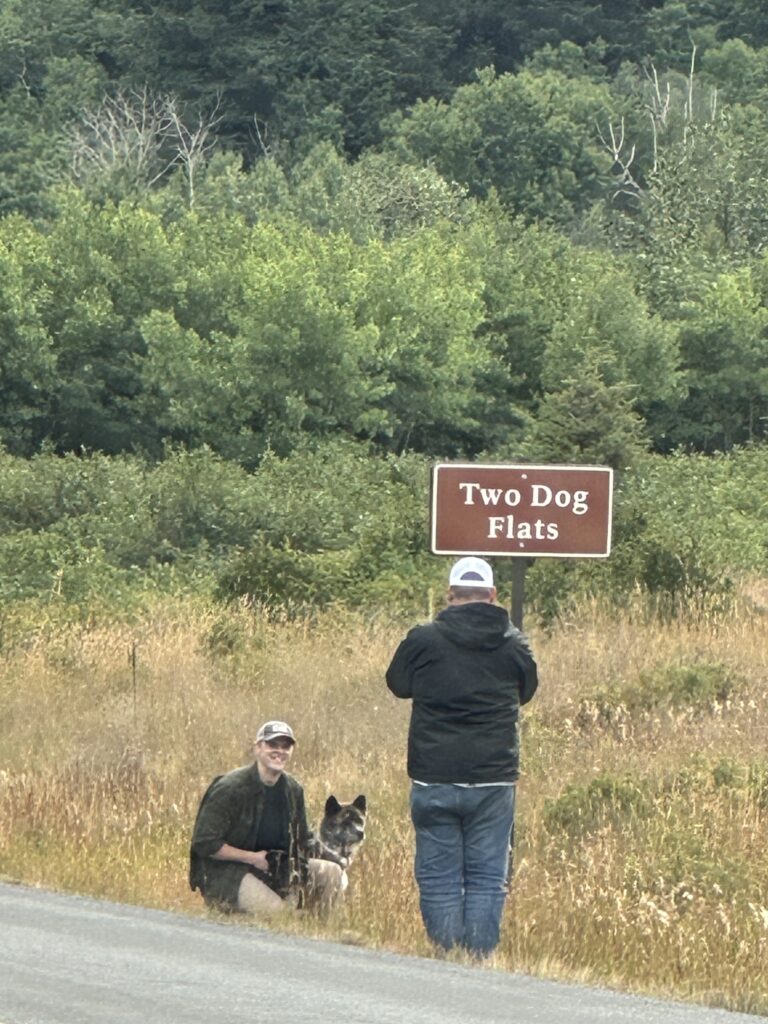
471 572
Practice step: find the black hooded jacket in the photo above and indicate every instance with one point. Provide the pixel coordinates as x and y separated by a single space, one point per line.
467 673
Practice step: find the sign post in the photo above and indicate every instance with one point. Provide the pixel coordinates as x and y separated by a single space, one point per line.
521 511
519 567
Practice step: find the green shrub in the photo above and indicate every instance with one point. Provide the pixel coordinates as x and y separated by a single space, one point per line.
677 686
273 575
335 522
606 800
672 687
686 528
745 779
340 526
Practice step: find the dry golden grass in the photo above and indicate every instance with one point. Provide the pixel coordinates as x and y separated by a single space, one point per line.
642 854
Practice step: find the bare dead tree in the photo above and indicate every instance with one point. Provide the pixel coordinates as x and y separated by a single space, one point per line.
689 96
615 144
261 136
127 132
195 144
658 109
140 137
22 76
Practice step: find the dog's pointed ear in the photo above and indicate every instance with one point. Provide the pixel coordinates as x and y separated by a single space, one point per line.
332 805
359 803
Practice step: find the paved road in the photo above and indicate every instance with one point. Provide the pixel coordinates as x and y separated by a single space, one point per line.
70 960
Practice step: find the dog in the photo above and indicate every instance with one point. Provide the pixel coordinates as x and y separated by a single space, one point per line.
343 826
342 829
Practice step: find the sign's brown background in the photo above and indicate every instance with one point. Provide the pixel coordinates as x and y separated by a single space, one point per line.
459 528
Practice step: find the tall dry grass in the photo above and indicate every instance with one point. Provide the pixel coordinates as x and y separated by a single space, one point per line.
642 854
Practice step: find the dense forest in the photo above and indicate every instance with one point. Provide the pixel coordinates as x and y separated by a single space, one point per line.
261 262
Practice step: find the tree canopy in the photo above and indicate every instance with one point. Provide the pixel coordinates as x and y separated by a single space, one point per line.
284 230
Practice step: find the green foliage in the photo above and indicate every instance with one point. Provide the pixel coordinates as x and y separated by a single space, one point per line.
284 64
746 19
686 528
334 522
82 286
694 204
336 526
529 136
328 524
49 71
675 27
708 189
555 314
586 422
208 330
724 346
698 687
606 801
371 300
739 72
316 336
377 196
282 576
88 527
27 361
609 326
60 566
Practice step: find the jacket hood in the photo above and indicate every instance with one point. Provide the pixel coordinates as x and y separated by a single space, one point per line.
478 625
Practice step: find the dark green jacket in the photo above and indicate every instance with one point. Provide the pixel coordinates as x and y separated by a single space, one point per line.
229 813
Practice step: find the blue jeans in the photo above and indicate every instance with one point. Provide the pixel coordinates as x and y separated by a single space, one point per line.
462 859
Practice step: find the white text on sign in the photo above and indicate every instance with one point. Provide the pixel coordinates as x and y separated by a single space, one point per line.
539 496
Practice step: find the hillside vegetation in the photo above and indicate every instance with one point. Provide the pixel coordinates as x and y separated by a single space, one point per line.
253 283
529 229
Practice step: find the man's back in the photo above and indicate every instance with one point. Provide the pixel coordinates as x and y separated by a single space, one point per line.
467 673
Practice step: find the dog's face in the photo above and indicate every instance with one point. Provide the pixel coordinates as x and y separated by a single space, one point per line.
343 826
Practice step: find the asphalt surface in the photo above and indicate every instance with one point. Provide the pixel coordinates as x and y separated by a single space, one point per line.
71 960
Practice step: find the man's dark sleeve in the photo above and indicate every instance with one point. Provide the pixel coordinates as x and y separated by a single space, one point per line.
530 680
528 673
214 820
400 672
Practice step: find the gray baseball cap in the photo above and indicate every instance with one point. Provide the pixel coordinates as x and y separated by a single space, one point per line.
272 730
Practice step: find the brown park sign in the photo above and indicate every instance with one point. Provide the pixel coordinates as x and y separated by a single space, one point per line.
541 511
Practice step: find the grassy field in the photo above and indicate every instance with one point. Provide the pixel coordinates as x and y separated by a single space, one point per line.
642 852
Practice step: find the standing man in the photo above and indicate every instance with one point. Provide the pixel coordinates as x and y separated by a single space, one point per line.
252 849
467 674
